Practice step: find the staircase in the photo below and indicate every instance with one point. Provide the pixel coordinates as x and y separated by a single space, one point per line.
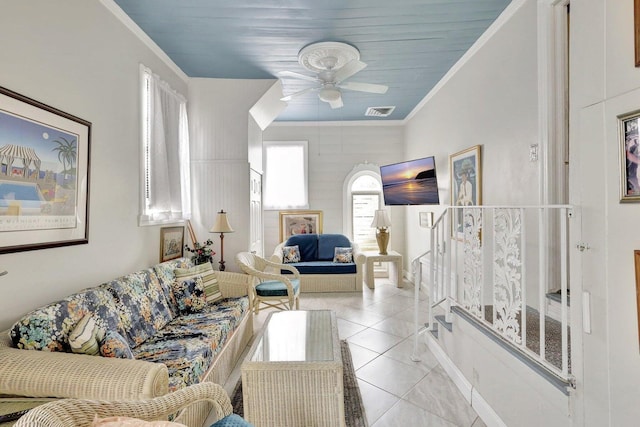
490 264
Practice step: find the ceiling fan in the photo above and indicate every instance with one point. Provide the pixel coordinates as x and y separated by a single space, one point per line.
333 63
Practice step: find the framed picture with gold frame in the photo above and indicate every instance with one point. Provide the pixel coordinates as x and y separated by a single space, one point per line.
171 243
465 168
299 222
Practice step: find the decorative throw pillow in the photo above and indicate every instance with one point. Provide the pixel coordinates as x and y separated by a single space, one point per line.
189 293
86 336
291 254
115 345
131 422
343 255
233 420
211 287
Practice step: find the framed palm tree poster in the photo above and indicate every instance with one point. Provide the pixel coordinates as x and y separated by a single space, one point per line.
44 175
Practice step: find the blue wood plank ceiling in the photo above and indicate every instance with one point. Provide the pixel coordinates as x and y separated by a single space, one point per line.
408 45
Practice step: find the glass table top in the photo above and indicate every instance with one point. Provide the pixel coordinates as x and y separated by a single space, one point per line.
296 336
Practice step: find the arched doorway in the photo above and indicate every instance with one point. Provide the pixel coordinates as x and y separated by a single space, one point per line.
362 197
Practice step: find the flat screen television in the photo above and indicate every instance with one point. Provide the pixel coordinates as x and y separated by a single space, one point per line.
413 182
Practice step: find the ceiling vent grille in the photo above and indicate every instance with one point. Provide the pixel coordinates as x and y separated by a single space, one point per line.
379 111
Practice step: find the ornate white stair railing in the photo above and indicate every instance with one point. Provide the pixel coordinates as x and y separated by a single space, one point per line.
496 265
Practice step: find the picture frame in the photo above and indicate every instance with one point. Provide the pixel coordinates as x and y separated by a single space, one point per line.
636 30
44 175
192 234
636 257
629 144
299 222
465 168
171 243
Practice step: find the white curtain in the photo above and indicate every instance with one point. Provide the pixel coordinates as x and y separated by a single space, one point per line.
167 179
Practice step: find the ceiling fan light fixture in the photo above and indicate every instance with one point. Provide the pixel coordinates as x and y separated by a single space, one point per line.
329 94
323 56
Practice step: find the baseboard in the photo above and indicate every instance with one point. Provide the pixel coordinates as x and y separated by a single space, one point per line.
471 395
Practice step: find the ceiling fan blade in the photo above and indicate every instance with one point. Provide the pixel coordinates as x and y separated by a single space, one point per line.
297 76
348 70
364 87
299 93
336 104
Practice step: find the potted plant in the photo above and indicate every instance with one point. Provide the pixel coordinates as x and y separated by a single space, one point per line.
201 252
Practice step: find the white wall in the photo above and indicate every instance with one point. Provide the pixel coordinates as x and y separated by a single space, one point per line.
76 56
491 101
500 114
605 85
219 124
334 149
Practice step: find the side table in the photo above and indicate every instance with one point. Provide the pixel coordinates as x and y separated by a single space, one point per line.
395 267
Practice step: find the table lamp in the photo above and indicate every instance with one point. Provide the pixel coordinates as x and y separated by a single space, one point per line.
382 222
221 226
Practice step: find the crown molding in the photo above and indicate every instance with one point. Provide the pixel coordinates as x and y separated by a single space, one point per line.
504 17
113 7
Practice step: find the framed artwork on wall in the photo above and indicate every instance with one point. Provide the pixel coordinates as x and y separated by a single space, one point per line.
299 222
636 257
636 29
192 234
171 243
465 168
44 175
629 156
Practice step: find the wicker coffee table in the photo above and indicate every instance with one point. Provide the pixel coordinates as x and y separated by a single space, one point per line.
292 375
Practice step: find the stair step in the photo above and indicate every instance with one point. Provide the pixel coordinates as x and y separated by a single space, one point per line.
447 325
433 331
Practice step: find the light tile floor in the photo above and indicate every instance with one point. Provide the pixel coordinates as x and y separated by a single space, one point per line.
378 324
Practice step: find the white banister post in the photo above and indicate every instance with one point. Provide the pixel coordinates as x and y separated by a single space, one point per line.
416 312
542 271
483 279
563 291
523 273
432 284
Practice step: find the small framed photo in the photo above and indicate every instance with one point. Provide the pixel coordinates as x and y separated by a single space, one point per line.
171 243
465 168
629 156
299 222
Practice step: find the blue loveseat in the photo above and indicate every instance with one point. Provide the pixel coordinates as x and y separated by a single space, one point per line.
318 271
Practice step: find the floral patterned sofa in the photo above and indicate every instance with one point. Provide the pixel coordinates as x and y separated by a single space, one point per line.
143 335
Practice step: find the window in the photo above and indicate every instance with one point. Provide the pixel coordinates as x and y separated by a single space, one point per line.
165 153
285 170
365 199
362 196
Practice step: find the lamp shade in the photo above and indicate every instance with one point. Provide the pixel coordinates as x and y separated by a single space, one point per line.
381 219
222 224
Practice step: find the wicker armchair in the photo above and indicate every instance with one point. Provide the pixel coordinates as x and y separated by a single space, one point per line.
271 288
81 412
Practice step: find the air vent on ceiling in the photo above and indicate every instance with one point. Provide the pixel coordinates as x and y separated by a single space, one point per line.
379 111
